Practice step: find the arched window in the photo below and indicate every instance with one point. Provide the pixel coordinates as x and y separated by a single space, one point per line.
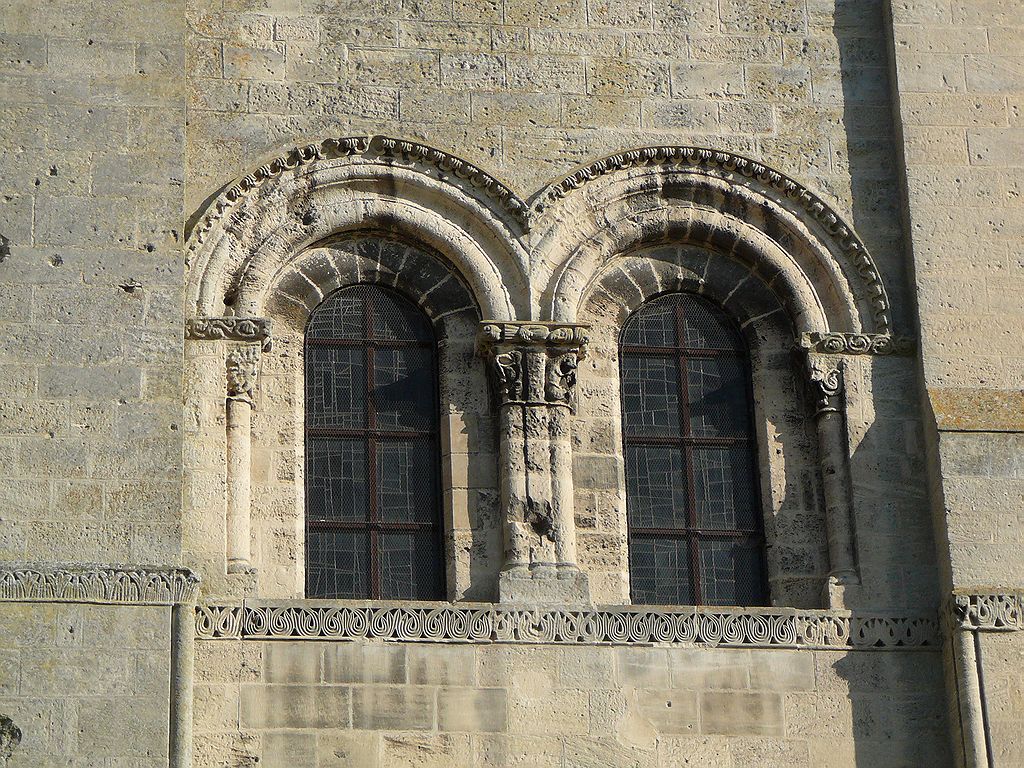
373 526
692 501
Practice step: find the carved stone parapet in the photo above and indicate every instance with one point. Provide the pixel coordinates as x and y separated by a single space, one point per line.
98 584
989 611
856 344
447 623
242 370
246 329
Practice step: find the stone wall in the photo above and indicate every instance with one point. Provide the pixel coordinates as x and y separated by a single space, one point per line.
85 681
960 76
394 704
91 230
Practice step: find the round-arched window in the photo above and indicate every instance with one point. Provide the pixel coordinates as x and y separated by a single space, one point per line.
373 490
692 500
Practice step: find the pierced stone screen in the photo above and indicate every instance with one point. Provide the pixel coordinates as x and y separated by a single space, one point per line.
372 473
695 534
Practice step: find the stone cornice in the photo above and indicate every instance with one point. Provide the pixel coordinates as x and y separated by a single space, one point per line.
857 344
244 329
98 584
989 611
681 157
447 623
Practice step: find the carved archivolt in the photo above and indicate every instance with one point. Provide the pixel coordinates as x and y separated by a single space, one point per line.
527 261
753 628
99 584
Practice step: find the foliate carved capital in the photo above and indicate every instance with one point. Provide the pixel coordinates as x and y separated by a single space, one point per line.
242 369
534 363
825 380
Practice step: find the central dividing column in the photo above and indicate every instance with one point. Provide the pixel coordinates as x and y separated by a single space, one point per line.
534 370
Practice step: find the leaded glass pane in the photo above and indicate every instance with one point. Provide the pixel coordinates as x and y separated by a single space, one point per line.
403 393
732 572
723 488
335 387
659 571
717 390
410 567
707 327
336 481
656 486
650 395
342 316
406 480
337 564
653 326
400 322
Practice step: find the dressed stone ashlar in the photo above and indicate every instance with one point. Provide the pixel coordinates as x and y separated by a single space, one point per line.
534 369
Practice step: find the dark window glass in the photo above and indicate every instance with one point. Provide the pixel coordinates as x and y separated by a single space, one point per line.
693 512
372 472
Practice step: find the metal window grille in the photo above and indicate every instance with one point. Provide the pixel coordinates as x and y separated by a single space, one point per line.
373 490
692 499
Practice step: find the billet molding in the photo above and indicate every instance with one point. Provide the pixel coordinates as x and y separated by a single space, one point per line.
98 584
989 611
683 157
446 623
250 330
857 344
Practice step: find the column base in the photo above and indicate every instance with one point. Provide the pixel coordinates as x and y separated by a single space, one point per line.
545 584
842 590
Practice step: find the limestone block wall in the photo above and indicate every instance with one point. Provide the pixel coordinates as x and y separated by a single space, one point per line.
394 704
527 89
82 681
960 77
91 228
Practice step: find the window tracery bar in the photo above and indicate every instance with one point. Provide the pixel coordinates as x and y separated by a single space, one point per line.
372 478
693 521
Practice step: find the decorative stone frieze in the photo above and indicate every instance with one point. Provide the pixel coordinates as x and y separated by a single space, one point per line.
245 329
857 344
446 623
98 584
989 611
534 367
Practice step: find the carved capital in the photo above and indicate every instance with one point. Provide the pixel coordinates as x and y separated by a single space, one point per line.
245 329
825 380
534 363
242 369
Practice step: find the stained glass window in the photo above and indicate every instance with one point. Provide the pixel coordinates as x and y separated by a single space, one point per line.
692 502
372 472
